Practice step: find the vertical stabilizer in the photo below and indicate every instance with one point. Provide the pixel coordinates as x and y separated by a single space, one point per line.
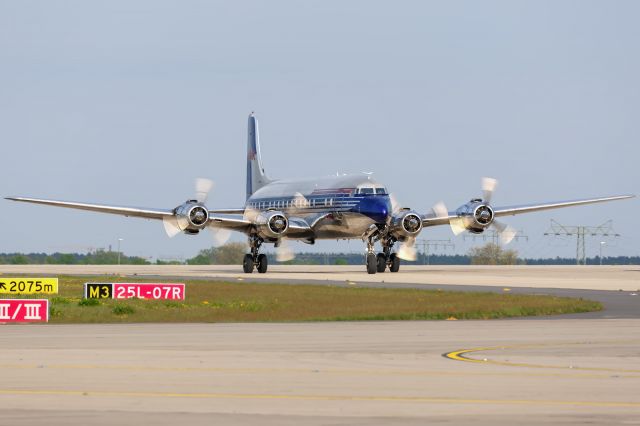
256 178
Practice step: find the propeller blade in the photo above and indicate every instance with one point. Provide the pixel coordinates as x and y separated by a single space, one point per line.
457 225
440 210
395 206
171 226
203 187
300 203
250 214
284 252
488 186
408 251
220 235
507 233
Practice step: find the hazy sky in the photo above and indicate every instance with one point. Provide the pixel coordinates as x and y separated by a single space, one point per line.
126 102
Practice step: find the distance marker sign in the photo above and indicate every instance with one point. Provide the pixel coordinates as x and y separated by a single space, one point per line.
152 291
25 285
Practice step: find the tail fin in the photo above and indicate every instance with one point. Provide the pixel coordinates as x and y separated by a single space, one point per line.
256 178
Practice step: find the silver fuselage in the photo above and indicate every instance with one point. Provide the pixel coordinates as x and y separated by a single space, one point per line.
335 207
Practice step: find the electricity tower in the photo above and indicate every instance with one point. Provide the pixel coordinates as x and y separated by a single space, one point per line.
581 231
427 244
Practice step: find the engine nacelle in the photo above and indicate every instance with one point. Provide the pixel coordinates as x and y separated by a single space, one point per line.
406 224
476 215
192 217
272 224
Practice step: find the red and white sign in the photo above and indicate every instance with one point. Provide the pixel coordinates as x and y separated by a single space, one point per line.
24 310
155 291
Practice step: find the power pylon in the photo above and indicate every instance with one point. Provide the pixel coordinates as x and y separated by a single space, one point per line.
427 244
581 231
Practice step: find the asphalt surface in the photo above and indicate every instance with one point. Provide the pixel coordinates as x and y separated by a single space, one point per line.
571 370
368 373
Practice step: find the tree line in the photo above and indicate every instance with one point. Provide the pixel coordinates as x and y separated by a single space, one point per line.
232 253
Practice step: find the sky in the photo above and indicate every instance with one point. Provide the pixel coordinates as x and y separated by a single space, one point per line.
127 102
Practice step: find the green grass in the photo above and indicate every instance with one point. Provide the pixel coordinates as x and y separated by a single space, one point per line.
216 301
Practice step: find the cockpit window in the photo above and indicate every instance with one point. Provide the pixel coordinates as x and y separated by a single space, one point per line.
366 191
381 191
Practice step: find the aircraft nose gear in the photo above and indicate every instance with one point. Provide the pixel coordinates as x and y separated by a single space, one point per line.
253 259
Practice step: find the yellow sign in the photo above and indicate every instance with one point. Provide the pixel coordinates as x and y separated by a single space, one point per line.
28 285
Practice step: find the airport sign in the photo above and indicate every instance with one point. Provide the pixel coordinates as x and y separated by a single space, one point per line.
25 285
151 291
24 310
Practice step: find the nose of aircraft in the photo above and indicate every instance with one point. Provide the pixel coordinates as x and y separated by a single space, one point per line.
376 207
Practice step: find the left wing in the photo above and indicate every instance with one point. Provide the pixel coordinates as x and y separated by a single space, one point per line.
444 217
528 208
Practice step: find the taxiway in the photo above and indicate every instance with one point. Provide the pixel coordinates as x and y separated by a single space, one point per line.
566 371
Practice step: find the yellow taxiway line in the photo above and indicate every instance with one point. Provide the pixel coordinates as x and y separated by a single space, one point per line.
462 355
418 399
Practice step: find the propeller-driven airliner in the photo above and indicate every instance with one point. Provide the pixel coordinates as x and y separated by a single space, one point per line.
333 207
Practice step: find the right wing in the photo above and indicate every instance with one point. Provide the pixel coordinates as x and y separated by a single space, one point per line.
101 208
297 227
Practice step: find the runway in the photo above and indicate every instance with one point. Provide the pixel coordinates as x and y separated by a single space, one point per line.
323 373
530 372
625 277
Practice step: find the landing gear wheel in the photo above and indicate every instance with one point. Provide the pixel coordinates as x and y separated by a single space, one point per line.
262 263
372 263
382 262
247 264
395 263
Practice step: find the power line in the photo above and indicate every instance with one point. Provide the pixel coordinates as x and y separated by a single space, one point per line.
494 236
581 232
428 244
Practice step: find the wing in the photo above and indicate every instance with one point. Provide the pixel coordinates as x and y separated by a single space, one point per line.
298 227
101 208
443 218
232 222
227 211
528 208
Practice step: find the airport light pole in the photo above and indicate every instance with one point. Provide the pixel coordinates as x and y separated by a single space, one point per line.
119 241
602 243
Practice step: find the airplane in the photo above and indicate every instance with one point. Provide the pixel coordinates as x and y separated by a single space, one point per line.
333 207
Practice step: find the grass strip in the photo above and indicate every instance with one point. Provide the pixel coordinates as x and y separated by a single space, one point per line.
219 301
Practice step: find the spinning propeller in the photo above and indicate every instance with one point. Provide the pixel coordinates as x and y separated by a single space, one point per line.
484 214
189 214
407 250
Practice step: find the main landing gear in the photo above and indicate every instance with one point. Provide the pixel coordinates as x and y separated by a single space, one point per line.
253 259
380 262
